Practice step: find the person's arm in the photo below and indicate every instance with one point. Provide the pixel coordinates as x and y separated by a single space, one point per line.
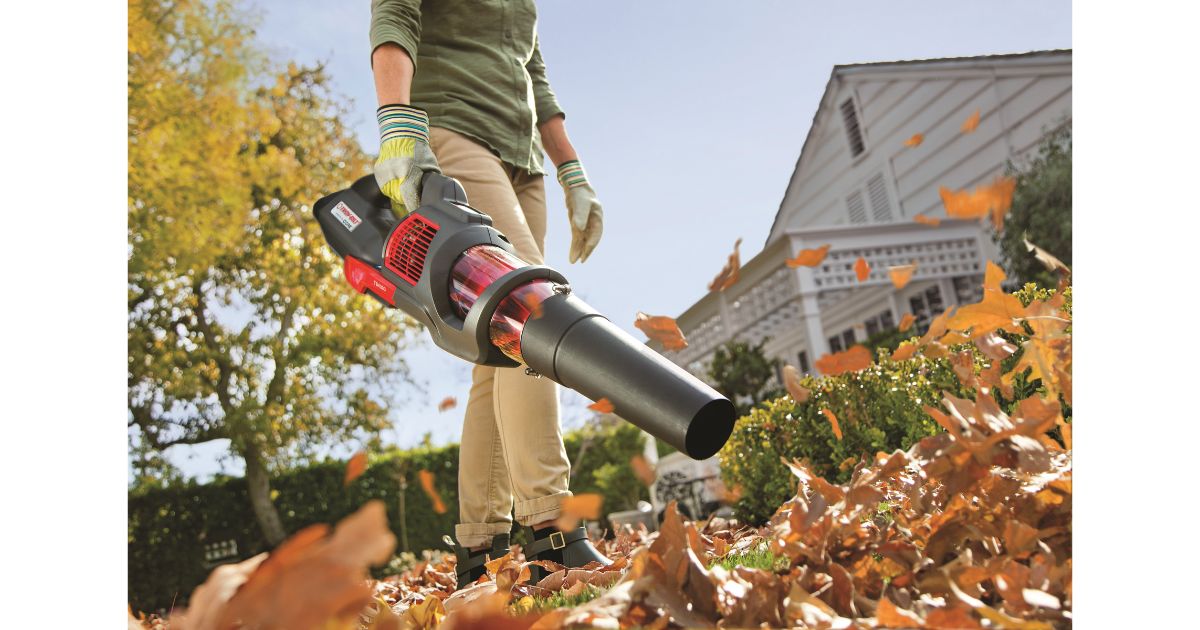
395 35
393 70
555 140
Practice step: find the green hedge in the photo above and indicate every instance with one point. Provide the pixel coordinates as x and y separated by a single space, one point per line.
169 527
878 409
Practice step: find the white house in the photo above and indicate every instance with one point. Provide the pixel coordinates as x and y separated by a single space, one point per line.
857 187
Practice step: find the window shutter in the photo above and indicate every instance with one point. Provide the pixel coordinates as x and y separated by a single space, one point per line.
853 131
856 207
881 208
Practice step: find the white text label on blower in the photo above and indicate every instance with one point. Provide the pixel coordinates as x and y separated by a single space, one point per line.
344 214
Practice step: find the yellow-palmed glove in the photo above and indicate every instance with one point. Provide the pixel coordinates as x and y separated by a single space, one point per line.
583 210
404 155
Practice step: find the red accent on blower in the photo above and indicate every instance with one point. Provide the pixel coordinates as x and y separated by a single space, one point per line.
364 277
408 246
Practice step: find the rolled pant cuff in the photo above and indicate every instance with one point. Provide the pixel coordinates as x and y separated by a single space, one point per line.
476 534
540 509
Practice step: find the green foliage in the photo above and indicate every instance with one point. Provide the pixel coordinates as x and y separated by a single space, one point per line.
168 527
744 374
878 409
885 342
240 326
1041 209
558 599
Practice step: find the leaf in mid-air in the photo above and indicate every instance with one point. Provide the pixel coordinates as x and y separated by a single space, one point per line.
862 269
355 467
808 257
971 123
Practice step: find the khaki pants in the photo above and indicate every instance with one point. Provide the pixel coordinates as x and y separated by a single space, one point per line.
512 449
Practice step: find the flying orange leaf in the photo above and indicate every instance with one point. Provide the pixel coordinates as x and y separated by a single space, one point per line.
862 269
934 221
852 360
642 470
971 123
426 478
906 322
993 276
996 311
808 257
448 402
915 140
577 507
661 329
902 274
995 198
791 381
904 352
603 405
355 467
837 431
730 272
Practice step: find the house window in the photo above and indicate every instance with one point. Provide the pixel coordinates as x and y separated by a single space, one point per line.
835 344
886 321
848 337
853 130
856 208
933 297
802 359
881 208
872 327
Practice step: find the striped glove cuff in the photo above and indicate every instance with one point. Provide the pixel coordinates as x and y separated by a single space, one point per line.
571 175
403 121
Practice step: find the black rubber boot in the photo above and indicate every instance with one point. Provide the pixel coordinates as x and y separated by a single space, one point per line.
571 549
470 563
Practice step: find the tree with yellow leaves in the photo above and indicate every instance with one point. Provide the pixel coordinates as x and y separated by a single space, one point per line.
240 326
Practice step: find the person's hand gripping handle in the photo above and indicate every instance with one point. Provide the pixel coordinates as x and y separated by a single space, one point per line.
404 155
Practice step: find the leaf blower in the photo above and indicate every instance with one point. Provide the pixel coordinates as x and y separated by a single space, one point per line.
448 268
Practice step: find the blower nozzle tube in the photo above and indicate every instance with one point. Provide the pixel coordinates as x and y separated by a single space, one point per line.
445 265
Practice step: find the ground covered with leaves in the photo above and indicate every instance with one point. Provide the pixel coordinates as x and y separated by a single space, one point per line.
970 528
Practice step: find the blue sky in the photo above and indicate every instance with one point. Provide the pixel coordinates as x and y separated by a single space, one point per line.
689 117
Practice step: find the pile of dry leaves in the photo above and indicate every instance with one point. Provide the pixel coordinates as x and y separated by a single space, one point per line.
967 529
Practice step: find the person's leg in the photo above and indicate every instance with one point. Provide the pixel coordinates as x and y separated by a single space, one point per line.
526 406
485 497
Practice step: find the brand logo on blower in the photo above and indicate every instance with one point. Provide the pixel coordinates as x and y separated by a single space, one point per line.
343 213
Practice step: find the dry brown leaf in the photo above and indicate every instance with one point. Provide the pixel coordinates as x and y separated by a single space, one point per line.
993 346
906 321
355 467
730 272
314 577
915 140
791 381
902 274
862 269
1048 261
578 507
852 360
934 221
887 615
661 329
808 257
447 403
427 484
603 405
833 423
971 123
642 470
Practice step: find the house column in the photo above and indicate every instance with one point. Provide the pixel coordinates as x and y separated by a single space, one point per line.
811 313
949 297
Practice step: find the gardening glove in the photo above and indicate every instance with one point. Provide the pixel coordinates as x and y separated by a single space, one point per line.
583 210
404 155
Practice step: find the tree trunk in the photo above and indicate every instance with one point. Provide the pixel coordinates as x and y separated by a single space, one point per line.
259 487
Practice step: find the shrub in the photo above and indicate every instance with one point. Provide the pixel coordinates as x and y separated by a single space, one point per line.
878 409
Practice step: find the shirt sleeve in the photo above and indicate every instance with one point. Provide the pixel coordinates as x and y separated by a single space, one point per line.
397 22
543 97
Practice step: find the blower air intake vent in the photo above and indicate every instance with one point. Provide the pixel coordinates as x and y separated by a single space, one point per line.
408 246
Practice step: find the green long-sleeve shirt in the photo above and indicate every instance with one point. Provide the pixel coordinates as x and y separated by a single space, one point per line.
478 69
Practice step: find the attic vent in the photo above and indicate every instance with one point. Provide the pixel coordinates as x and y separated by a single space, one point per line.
853 131
881 208
856 207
